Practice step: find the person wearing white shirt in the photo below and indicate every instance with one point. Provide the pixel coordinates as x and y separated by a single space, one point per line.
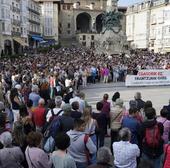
125 153
68 82
57 110
79 100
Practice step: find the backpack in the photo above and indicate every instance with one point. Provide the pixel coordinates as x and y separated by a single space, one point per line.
152 136
51 132
46 125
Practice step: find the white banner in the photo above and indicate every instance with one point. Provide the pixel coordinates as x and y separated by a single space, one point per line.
152 77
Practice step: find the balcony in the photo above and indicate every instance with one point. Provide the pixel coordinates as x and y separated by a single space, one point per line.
16 22
34 11
34 22
15 9
16 34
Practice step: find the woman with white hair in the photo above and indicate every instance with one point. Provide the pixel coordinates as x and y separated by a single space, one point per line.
10 156
104 158
125 153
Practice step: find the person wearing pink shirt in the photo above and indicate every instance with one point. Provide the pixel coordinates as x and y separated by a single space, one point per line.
166 123
106 74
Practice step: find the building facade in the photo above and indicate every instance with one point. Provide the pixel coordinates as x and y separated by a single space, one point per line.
148 25
18 20
49 20
34 26
6 43
77 21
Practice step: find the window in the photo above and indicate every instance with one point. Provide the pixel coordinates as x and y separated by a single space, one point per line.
68 7
84 43
64 7
92 44
21 30
68 31
3 12
17 29
3 26
68 25
92 37
84 37
14 29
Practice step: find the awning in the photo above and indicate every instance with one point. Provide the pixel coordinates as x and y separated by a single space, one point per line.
50 41
20 41
37 38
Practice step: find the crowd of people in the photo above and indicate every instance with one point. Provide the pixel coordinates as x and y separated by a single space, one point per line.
45 120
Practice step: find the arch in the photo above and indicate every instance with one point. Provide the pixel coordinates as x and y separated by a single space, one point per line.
83 22
7 47
99 24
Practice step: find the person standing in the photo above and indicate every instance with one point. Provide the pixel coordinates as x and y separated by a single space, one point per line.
38 115
152 143
81 145
60 158
101 119
125 159
106 109
34 96
35 156
132 123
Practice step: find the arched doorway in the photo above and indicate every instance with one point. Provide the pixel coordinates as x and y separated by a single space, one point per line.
83 22
99 23
7 47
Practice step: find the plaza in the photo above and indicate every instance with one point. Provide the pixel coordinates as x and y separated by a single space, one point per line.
60 64
159 95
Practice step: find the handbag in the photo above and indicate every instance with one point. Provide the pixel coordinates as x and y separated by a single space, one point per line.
115 122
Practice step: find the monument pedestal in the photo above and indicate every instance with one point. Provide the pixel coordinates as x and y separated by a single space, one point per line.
110 43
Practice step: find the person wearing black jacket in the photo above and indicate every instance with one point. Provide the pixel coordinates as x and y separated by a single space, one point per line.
150 127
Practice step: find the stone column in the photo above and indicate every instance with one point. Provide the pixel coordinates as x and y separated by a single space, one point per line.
93 24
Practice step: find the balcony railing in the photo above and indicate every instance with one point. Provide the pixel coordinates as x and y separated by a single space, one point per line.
16 22
34 11
16 34
15 9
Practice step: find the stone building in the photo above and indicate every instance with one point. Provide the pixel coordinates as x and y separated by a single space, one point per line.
6 44
34 27
78 21
49 20
17 17
148 25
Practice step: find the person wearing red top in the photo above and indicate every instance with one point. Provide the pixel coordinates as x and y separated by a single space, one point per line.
38 115
166 163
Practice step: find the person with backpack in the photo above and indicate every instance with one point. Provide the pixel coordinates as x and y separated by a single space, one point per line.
81 147
151 138
55 111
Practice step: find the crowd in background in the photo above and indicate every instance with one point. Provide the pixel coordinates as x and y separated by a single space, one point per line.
46 121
